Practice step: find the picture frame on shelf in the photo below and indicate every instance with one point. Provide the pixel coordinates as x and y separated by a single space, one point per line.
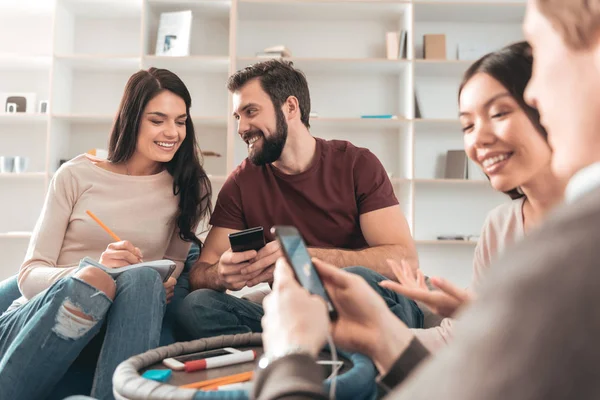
174 31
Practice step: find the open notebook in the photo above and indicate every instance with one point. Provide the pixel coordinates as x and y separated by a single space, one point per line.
164 267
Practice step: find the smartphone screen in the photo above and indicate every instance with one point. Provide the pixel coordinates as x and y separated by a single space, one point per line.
297 255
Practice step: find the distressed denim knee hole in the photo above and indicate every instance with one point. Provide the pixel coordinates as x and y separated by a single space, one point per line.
69 326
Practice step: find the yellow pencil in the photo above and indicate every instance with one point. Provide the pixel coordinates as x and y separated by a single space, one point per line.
106 228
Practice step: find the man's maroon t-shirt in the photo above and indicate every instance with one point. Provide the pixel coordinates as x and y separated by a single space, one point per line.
324 202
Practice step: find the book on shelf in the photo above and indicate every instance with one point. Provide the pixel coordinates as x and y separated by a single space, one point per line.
418 113
379 116
456 164
174 30
278 51
402 52
396 45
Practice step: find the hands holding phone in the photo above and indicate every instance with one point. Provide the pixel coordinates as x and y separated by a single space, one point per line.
249 261
248 268
364 322
293 317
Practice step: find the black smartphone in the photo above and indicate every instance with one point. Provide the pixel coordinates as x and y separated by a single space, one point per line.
294 250
248 239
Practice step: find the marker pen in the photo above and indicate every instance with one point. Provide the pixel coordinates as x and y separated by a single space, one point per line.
220 361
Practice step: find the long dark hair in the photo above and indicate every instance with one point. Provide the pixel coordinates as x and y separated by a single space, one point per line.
190 181
512 67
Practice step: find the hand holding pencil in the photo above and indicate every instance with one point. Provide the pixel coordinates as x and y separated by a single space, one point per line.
120 253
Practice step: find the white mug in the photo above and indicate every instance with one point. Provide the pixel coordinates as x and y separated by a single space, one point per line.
11 108
21 164
6 164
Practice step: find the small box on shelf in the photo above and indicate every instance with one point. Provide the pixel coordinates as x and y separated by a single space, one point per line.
434 46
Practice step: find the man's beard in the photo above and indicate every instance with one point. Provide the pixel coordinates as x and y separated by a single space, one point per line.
272 147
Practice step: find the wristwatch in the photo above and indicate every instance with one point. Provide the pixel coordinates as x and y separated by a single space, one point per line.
269 358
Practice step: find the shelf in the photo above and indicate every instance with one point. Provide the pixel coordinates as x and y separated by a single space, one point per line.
445 242
327 10
24 62
23 175
320 122
338 65
15 235
105 8
442 68
188 64
85 118
473 12
200 8
23 119
88 62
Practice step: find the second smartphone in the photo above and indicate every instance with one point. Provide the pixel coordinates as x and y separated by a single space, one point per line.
296 254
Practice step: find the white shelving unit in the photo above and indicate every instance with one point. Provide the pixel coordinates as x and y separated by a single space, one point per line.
79 54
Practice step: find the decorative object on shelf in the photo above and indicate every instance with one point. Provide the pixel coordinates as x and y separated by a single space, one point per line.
379 116
6 164
18 164
396 45
278 51
452 237
21 164
456 165
209 153
25 102
417 107
474 172
99 153
466 238
174 31
434 47
392 45
11 108
44 107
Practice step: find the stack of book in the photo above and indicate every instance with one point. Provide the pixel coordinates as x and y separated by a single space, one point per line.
275 52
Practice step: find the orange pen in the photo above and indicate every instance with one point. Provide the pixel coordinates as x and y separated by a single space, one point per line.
212 384
106 228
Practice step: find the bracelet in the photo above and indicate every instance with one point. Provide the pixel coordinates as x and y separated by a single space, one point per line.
268 359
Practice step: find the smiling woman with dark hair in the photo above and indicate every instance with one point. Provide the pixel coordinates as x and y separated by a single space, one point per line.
502 135
152 191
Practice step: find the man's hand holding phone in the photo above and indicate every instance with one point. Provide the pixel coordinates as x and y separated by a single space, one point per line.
262 266
249 261
230 268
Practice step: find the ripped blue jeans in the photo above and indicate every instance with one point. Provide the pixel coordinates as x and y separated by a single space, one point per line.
41 339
